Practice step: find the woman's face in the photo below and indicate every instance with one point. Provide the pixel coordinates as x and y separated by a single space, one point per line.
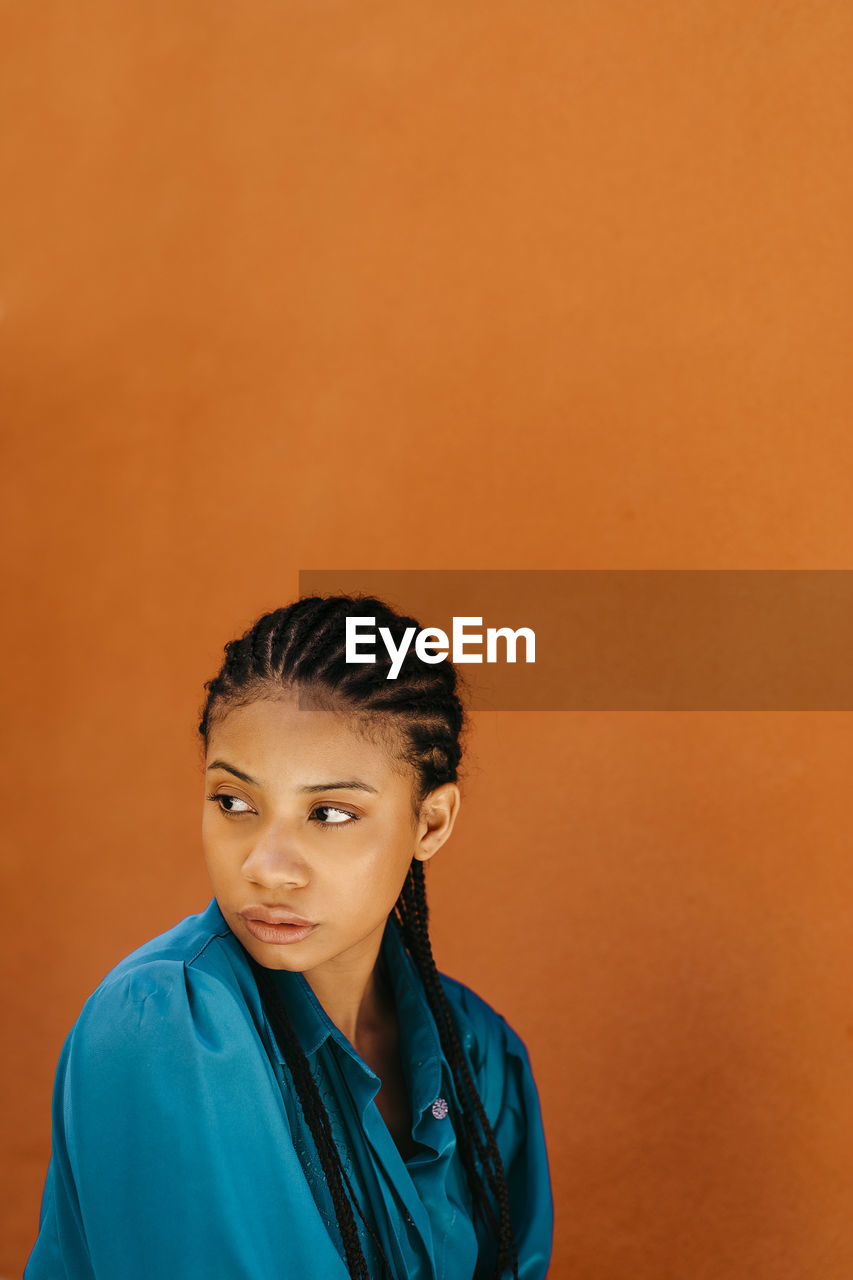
308 832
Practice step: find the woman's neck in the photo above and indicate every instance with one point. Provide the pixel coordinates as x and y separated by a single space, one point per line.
355 992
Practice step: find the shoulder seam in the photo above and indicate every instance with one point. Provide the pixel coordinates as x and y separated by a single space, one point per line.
206 944
120 973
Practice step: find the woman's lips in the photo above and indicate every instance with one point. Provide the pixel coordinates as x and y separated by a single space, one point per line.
276 924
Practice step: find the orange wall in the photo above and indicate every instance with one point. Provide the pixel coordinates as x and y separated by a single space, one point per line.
491 285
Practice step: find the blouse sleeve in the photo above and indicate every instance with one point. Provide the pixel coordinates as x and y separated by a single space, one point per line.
172 1153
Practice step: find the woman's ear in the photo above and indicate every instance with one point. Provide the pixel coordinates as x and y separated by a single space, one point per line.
435 822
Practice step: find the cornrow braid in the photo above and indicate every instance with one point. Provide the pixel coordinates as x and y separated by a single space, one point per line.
303 646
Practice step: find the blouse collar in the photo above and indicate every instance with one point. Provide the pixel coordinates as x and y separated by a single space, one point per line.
420 1044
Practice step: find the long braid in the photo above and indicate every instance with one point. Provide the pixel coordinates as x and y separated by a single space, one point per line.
303 647
477 1137
317 1119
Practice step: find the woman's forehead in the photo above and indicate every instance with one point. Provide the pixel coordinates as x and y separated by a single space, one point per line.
281 727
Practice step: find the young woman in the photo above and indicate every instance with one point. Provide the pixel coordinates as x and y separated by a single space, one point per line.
284 1085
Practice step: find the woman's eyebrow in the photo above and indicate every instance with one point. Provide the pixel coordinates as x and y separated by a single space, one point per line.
351 784
229 768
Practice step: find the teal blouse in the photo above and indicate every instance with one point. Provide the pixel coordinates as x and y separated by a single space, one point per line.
180 1149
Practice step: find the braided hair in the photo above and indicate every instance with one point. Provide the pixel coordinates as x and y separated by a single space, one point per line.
302 647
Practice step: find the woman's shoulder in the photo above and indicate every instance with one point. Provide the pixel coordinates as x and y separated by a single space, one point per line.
184 943
481 1024
164 1089
175 977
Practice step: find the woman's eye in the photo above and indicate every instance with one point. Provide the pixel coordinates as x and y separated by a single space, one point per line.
230 804
325 815
337 818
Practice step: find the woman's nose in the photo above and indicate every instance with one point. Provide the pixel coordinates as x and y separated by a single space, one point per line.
275 861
